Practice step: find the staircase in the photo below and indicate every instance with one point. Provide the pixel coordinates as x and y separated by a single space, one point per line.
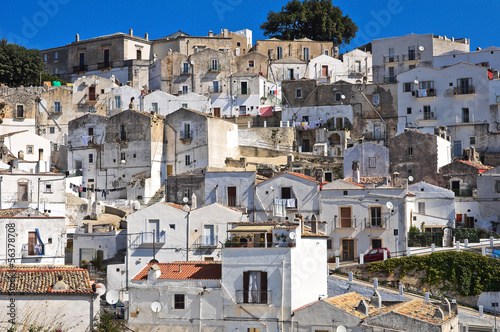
158 196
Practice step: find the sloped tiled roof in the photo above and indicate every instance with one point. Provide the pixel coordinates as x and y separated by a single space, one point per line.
39 279
477 165
420 310
10 212
185 271
367 179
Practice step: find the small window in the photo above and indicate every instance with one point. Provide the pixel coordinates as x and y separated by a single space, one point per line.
409 151
91 158
179 301
345 193
238 44
376 99
135 156
187 159
45 58
57 107
253 329
329 244
251 63
19 111
56 55
338 96
123 157
154 108
185 68
407 87
52 130
472 140
372 161
90 131
123 133
118 102
326 52
172 226
184 105
187 193
298 93
139 55
48 188
421 207
214 65
408 110
29 149
185 89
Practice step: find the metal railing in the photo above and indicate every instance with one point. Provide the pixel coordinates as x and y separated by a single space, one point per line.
411 57
214 89
104 65
423 93
80 68
391 58
464 90
244 92
429 116
147 239
186 134
206 241
55 110
390 79
254 297
462 192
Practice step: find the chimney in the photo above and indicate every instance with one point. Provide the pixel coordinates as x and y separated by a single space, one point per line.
146 36
438 313
314 225
210 33
193 205
446 307
77 37
154 273
225 33
131 32
495 74
363 308
355 171
473 156
180 268
376 300
300 219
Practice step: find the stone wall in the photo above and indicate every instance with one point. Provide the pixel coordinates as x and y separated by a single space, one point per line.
271 138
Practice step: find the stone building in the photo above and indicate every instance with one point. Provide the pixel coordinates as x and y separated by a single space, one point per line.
303 49
18 108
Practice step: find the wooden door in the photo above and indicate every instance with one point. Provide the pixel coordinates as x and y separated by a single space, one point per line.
92 95
217 112
31 243
348 250
231 196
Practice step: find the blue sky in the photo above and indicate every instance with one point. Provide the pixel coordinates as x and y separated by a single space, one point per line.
50 23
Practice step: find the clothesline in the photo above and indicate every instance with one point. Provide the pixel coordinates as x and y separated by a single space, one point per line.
306 125
104 192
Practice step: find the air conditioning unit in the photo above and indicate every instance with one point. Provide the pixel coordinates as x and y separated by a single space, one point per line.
122 161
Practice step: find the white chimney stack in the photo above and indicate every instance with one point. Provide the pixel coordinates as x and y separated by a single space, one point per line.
355 171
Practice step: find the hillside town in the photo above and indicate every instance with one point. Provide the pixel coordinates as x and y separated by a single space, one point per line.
220 183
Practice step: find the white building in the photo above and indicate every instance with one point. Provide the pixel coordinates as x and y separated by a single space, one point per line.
326 69
456 97
373 160
39 239
119 99
358 66
234 189
363 217
33 151
284 69
281 197
395 55
487 57
89 94
163 103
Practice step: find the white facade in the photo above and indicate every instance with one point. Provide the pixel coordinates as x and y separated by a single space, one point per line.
286 69
119 99
88 246
89 92
35 150
281 197
326 69
488 57
230 188
373 160
361 218
164 103
358 66
39 239
456 97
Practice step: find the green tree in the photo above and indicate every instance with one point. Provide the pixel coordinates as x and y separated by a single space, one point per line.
315 19
19 65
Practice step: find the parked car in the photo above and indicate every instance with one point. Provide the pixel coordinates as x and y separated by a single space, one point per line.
376 255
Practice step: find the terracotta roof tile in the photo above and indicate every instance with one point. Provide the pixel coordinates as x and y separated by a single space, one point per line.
11 212
421 310
367 179
39 279
185 271
300 175
354 183
477 165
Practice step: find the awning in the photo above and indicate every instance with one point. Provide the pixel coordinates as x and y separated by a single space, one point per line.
266 111
253 228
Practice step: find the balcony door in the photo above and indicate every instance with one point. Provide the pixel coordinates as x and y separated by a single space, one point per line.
231 196
154 226
31 243
208 234
348 250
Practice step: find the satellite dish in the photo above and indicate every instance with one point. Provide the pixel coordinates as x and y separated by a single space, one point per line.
421 48
185 199
341 328
96 81
343 97
292 235
100 289
389 205
410 178
156 307
416 82
112 297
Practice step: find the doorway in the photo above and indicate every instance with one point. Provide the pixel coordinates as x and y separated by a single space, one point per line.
348 250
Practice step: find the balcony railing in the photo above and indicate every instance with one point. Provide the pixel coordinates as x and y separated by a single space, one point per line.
390 79
411 57
464 90
253 297
206 241
55 110
424 93
79 68
29 249
462 192
354 70
244 92
215 68
214 89
429 116
244 243
104 65
391 58
186 134
147 239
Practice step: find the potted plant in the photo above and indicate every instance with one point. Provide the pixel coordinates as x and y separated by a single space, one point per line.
261 242
236 241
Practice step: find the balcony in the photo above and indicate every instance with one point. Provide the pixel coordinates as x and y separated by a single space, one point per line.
424 93
91 98
186 135
429 116
244 92
215 68
462 192
390 79
206 241
79 68
391 58
356 71
411 57
56 110
29 249
147 240
254 297
464 90
104 65
214 89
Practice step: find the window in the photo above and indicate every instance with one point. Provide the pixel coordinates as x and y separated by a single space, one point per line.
329 244
411 53
48 188
421 207
57 107
427 113
345 217
376 243
123 157
187 159
346 193
91 158
52 130
391 75
497 186
253 329
464 86
465 115
409 151
172 226
139 54
372 162
255 287
214 65
457 148
376 99
328 176
231 196
305 53
238 44
244 88
22 191
286 192
376 216
118 101
251 63
90 131
185 89
472 140
82 59
391 55
298 93
185 68
338 96
291 75
279 52
179 301
19 111
407 87
408 110
410 67
154 108
186 133
187 193
426 85
92 94
45 58
106 58
357 66
215 85
324 71
326 52
123 133
185 105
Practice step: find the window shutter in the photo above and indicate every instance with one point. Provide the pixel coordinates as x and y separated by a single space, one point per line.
246 281
263 287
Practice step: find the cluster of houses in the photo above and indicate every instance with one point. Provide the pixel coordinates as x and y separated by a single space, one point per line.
210 179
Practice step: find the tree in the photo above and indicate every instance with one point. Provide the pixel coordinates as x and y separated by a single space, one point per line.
19 65
315 19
